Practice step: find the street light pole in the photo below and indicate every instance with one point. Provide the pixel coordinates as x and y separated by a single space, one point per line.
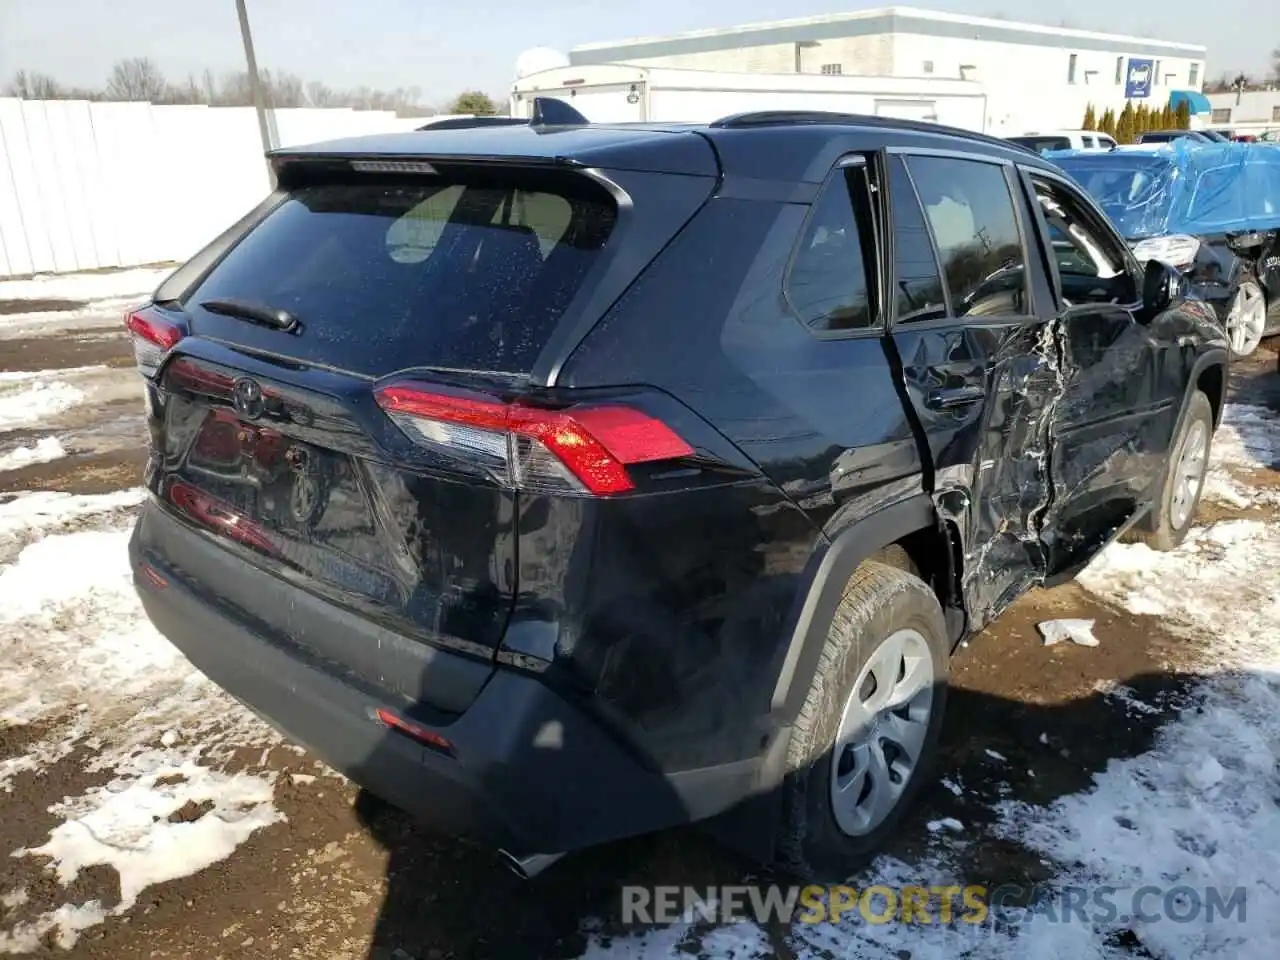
255 84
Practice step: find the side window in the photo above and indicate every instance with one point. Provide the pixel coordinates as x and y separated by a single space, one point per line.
970 211
917 285
1090 259
829 285
1089 142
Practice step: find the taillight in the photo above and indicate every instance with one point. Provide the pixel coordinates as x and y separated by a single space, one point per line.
153 337
582 449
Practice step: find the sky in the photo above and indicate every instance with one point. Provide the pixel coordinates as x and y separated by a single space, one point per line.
443 48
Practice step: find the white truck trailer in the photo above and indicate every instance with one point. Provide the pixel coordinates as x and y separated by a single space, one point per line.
616 93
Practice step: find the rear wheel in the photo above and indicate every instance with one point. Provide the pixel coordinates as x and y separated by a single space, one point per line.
868 731
1247 319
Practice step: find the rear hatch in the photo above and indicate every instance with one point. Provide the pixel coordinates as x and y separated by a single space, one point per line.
323 398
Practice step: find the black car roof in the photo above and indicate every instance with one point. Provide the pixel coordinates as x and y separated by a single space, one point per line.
772 146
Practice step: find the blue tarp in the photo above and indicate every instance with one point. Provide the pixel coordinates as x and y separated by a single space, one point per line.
1181 187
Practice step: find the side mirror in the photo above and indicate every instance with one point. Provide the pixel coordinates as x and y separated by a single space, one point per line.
1160 283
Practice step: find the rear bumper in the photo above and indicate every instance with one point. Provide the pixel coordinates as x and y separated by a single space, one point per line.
530 772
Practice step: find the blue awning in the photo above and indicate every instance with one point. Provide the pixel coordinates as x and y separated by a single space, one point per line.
1196 102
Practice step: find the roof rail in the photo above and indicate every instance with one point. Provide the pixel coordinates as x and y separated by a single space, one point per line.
769 118
547 112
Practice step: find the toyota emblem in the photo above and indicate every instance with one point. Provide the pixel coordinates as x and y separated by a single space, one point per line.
246 394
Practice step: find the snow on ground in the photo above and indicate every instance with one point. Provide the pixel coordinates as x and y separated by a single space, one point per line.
99 317
44 450
1199 811
82 661
1247 440
139 281
37 398
104 297
28 402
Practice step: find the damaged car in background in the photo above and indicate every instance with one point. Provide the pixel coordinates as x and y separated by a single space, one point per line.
562 488
1210 210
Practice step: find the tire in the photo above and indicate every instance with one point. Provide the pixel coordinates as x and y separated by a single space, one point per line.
880 603
1168 525
1246 319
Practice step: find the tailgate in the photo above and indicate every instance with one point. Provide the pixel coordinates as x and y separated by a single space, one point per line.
296 470
264 372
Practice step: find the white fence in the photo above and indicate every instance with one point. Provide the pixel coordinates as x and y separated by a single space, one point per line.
90 185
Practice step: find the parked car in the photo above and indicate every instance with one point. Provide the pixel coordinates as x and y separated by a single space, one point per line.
1168 136
589 480
1212 211
1064 140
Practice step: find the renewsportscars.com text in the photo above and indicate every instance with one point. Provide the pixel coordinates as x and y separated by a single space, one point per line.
974 905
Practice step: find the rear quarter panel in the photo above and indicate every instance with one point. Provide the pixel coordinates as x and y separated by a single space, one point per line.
821 420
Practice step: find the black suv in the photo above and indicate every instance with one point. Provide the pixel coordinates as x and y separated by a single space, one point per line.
563 483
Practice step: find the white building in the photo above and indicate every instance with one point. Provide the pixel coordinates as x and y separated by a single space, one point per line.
1250 111
1036 77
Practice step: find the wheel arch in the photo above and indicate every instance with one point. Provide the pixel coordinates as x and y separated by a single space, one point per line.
909 529
1209 376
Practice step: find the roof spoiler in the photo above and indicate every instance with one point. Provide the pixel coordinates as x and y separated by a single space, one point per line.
547 112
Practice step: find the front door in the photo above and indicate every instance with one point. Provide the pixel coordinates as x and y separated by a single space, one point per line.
1120 388
979 361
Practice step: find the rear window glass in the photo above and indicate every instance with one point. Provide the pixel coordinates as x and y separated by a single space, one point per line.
384 275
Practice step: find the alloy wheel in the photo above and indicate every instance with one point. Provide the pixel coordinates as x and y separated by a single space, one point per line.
1246 319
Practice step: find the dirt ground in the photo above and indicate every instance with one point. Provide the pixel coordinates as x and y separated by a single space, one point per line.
345 876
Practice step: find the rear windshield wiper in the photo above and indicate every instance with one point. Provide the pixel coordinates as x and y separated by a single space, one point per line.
254 312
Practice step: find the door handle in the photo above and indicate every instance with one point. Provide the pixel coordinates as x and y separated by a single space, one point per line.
948 398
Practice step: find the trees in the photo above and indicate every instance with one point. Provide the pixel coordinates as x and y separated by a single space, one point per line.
137 78
1090 121
140 79
473 101
1125 129
1183 119
33 86
1107 124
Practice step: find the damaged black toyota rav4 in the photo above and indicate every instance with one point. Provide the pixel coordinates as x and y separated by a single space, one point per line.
562 483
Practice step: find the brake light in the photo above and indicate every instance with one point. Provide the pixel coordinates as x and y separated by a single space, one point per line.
584 449
152 337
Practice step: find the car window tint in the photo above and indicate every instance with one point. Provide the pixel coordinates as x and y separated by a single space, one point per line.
1090 261
469 273
828 285
970 211
917 285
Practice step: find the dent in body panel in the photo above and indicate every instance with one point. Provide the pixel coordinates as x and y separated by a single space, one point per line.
820 421
304 491
665 610
990 455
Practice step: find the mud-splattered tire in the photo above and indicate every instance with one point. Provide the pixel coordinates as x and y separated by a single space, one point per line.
1183 481
881 605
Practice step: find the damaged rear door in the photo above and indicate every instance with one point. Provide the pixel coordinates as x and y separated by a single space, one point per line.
979 361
